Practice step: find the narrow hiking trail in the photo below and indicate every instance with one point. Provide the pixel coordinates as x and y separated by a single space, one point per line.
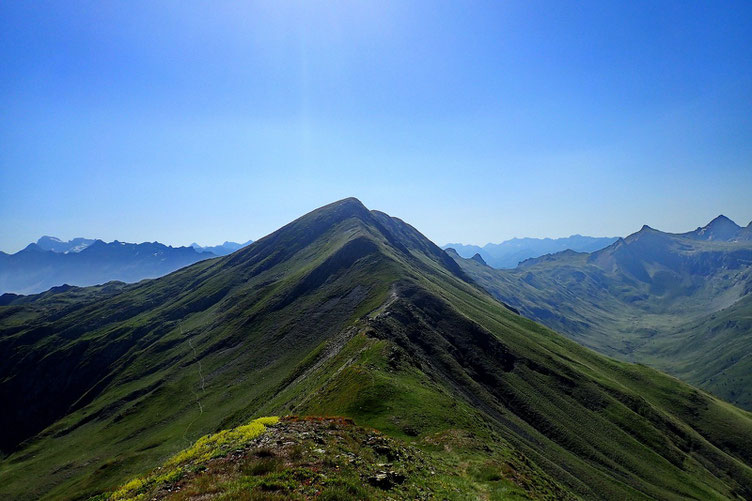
195 394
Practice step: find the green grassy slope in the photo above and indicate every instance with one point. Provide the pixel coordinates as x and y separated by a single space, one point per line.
670 301
344 312
713 352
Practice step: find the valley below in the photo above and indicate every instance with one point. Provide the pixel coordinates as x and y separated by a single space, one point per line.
679 302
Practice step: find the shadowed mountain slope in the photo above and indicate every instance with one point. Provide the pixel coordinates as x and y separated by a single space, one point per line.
351 312
678 302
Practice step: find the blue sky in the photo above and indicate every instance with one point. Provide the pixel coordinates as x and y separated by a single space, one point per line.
474 121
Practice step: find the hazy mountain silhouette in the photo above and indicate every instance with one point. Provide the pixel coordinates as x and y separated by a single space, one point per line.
38 267
223 249
509 253
54 244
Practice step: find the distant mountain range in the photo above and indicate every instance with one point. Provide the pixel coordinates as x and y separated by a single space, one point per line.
78 244
54 244
509 253
221 250
679 302
52 262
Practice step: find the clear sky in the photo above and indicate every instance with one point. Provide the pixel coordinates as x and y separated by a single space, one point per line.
185 121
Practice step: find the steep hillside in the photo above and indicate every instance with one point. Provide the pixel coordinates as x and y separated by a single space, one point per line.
346 312
679 302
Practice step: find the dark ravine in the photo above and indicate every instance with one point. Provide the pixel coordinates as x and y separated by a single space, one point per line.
347 312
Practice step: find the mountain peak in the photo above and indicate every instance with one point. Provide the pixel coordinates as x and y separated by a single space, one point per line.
720 228
344 220
721 220
478 258
47 238
32 247
452 252
337 211
55 244
645 232
349 204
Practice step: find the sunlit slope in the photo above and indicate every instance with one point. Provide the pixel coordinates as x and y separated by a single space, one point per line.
344 312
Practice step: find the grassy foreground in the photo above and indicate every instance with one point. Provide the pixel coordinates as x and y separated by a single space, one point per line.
191 459
328 458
